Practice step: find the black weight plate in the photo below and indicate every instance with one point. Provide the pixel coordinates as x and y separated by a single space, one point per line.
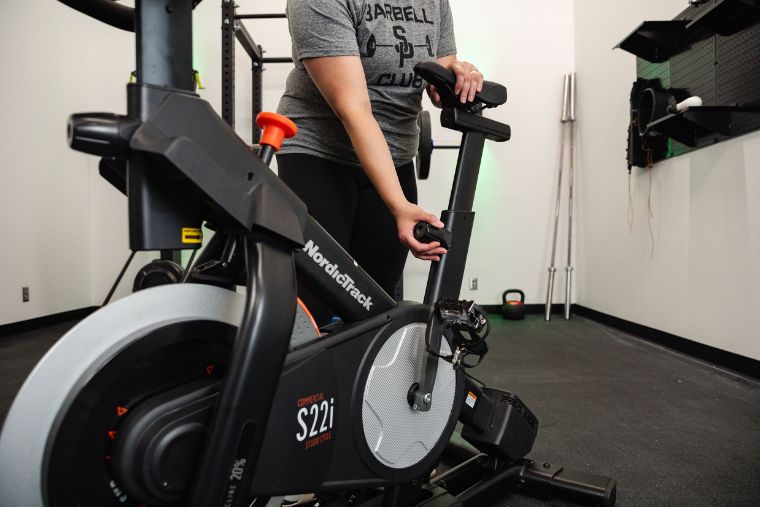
425 148
158 272
371 46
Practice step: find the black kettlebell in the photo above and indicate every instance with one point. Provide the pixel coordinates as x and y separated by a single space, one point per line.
513 309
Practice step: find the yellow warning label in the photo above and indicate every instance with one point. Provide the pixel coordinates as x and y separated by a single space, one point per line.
192 235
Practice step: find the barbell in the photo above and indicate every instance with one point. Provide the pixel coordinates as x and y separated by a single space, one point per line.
372 46
427 145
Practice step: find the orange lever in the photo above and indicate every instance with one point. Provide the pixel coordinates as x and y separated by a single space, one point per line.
275 127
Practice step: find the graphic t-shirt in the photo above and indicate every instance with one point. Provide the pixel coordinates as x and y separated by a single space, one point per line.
390 37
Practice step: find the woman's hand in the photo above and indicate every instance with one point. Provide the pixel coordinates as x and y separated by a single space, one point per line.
469 80
407 215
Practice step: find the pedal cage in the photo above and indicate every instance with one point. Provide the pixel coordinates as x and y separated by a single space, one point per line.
466 327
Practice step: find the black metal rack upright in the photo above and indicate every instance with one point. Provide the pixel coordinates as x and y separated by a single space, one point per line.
233 29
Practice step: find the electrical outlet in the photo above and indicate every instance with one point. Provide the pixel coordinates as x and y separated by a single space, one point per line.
24 294
474 283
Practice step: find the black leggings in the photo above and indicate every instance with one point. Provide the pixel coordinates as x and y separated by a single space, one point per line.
344 201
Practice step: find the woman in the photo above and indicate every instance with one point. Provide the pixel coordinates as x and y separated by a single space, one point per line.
355 98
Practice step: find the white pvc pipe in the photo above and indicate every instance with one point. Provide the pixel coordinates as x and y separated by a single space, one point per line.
685 105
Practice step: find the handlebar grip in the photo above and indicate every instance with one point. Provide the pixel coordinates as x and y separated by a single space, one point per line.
426 233
102 134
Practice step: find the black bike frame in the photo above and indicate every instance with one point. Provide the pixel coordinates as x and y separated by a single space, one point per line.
445 278
185 165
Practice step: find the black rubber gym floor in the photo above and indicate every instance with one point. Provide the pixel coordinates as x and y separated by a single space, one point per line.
672 430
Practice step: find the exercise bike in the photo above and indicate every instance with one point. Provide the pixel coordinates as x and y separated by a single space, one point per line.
194 395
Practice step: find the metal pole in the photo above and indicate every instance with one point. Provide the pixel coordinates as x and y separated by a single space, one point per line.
552 268
118 278
569 267
257 97
189 268
277 59
279 15
228 62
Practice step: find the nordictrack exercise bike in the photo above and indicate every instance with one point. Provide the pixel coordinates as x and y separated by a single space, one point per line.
193 395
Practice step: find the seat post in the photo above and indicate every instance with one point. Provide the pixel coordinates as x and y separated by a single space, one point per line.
467 171
445 277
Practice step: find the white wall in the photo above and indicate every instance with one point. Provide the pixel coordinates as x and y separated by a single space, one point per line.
703 281
65 228
55 62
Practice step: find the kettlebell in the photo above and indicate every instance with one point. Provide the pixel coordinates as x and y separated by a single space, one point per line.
513 309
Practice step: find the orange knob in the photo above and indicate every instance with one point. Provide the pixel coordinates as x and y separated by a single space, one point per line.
275 127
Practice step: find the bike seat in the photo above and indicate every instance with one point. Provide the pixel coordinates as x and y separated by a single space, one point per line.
444 80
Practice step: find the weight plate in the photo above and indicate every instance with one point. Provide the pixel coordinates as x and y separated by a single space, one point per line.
371 46
157 272
425 148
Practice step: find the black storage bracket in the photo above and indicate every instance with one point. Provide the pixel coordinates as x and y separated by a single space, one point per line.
658 41
688 127
707 53
655 41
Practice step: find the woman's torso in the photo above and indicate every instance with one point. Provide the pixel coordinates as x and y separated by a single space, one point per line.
390 38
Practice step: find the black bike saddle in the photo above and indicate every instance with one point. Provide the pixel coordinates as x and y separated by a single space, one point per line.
444 80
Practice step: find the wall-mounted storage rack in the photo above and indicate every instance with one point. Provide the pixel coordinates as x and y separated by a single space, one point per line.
710 50
656 41
689 126
726 17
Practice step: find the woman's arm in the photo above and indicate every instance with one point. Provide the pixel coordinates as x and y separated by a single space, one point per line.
342 83
469 80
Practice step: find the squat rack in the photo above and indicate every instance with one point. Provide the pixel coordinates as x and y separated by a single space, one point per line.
233 29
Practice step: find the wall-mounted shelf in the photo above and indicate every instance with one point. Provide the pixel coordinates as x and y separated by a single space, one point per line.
709 50
656 41
691 125
726 17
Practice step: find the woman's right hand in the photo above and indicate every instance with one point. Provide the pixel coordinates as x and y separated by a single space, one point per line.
407 215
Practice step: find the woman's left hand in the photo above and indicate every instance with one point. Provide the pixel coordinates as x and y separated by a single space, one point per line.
469 80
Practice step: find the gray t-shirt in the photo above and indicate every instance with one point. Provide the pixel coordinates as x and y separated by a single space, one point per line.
390 37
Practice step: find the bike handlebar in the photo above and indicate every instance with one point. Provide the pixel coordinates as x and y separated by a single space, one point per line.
107 11
426 233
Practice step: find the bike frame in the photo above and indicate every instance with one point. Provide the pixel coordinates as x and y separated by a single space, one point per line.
185 165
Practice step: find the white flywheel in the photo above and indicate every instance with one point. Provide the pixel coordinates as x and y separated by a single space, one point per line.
76 358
